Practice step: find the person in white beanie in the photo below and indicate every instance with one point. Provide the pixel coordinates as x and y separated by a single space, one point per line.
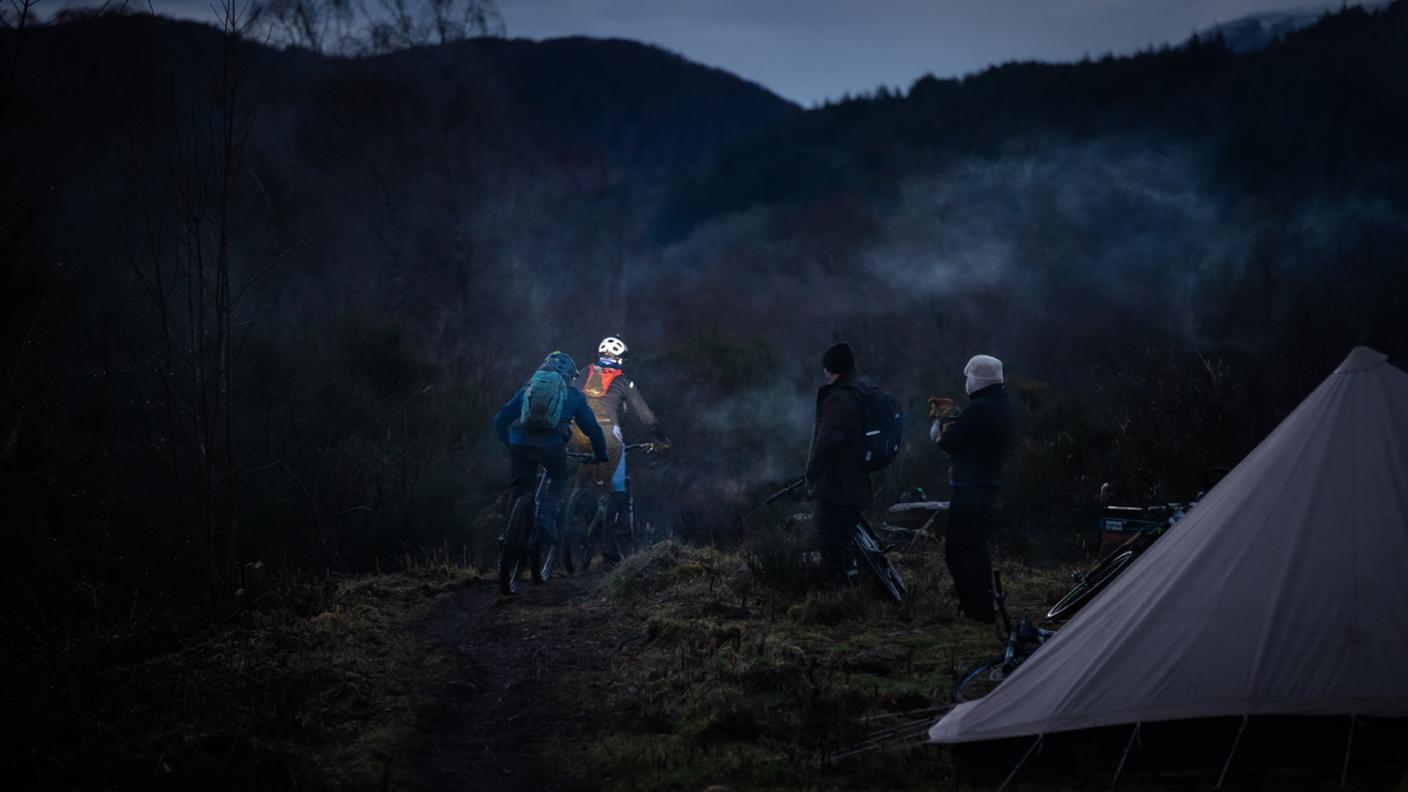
978 442
981 371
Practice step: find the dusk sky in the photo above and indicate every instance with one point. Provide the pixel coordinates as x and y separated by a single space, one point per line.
811 50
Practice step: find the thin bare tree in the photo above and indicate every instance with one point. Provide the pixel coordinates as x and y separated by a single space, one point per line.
345 27
322 26
187 161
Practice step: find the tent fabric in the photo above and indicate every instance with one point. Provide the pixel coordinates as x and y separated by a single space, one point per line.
1283 592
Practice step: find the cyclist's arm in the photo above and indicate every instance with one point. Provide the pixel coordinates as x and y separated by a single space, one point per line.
635 404
586 421
838 414
507 414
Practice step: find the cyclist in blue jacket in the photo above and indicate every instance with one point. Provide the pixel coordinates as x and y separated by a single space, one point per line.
529 448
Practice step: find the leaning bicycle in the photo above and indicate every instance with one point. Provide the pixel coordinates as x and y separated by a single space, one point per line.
868 551
1150 525
1023 639
1144 525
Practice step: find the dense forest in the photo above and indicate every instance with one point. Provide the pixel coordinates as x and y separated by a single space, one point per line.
258 304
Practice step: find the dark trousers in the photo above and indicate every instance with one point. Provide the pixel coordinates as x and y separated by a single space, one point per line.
620 508
966 549
834 527
523 477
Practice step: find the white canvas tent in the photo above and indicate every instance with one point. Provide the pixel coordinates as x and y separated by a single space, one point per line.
1284 592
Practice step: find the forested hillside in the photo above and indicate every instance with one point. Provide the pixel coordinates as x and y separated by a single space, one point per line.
258 305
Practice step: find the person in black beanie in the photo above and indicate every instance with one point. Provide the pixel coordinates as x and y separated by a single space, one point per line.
835 473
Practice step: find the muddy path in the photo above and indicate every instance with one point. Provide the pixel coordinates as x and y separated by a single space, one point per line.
510 715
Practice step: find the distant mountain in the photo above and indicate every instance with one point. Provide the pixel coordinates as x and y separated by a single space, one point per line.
1258 31
639 108
650 108
1331 93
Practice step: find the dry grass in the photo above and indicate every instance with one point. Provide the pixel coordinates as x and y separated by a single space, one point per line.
734 682
682 667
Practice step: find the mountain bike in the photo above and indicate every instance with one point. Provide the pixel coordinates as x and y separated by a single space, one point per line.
1023 639
584 521
1147 525
514 553
868 551
1151 523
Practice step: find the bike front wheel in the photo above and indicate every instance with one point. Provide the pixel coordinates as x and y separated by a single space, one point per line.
1090 584
882 572
514 552
586 522
979 680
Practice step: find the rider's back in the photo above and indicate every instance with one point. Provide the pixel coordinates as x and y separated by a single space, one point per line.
611 395
575 416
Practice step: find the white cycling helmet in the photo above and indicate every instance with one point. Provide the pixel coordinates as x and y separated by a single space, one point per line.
612 347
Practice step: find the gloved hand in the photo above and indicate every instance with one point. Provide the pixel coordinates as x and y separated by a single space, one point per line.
600 459
661 446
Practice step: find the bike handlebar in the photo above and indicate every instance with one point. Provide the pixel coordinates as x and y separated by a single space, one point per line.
578 455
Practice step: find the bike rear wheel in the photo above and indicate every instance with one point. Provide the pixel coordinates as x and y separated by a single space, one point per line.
513 554
979 680
576 521
1091 584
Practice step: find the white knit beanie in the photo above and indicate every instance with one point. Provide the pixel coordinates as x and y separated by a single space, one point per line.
982 371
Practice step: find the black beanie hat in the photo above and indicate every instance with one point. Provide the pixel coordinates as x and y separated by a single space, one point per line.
839 359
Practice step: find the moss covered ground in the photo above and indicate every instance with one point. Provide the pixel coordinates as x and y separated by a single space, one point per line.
683 668
312 688
734 680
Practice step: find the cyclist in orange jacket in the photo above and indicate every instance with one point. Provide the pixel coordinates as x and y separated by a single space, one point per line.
611 395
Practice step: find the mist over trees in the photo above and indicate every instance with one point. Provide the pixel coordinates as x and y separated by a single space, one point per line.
260 302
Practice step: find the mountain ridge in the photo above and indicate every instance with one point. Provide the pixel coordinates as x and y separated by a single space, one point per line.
1196 93
643 107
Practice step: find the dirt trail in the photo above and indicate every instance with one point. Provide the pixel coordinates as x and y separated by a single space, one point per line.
507 718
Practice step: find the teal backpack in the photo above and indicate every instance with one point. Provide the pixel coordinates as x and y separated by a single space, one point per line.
545 395
543 402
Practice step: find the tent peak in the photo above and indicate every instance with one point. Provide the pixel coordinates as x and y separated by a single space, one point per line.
1361 358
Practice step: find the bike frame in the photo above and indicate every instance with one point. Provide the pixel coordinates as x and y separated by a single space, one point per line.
598 519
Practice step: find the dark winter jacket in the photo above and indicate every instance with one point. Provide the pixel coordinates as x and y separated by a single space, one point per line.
835 471
574 409
981 439
611 395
